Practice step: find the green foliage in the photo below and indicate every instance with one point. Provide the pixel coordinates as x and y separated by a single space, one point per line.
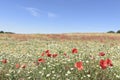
110 32
118 31
6 32
1 31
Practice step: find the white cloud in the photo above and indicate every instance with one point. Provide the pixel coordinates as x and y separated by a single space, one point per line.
34 11
51 14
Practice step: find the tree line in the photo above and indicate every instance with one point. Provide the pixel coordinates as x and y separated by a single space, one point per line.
14 33
114 31
2 32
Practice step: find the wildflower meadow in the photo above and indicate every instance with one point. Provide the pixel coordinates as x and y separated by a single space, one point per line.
60 57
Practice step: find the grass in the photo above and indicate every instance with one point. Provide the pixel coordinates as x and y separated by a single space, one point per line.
26 49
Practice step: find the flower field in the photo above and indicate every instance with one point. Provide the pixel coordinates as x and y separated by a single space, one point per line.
60 57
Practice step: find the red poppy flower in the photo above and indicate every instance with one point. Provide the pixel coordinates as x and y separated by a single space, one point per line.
78 65
74 50
103 64
40 60
109 62
49 55
101 54
42 54
54 55
47 51
17 66
4 61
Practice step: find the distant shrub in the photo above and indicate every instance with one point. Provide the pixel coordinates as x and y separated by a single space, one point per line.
118 31
1 31
6 32
9 33
110 32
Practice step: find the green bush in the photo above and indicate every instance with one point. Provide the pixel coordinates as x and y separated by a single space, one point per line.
118 31
110 32
1 31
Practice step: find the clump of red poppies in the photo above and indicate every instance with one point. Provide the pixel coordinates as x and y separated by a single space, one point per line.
105 63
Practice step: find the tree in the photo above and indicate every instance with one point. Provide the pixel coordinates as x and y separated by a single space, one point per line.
1 31
110 32
118 31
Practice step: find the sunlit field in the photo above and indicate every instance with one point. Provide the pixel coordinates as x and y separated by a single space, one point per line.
60 56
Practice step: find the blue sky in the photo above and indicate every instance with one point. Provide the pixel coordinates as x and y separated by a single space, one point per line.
59 16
